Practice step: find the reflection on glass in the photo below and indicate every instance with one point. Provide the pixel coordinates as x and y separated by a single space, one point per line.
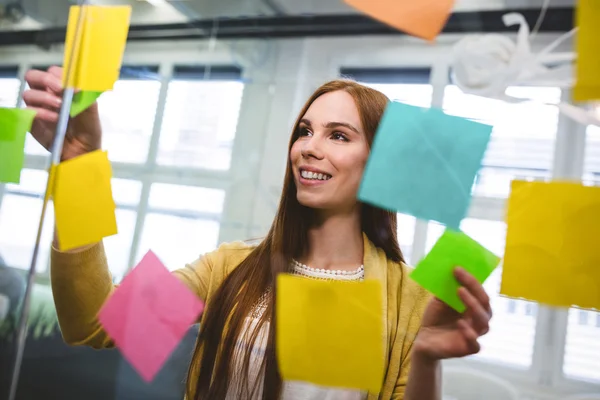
512 330
522 143
118 246
582 347
127 115
186 198
19 220
199 124
177 240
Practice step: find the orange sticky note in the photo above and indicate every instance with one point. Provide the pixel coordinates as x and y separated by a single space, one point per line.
424 19
587 44
552 254
98 51
84 208
329 333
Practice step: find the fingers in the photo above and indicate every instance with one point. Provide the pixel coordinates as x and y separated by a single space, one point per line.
476 313
474 287
470 336
41 80
41 99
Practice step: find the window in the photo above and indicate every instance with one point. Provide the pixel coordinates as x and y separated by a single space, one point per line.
406 233
9 86
512 330
522 143
127 114
182 223
591 168
200 118
582 348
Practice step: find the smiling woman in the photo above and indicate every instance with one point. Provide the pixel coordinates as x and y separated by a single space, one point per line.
321 231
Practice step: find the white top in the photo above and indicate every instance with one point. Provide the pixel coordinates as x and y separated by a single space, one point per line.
291 390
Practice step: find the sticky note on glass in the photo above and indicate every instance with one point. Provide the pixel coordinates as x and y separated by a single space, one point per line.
14 125
82 101
424 19
453 249
552 254
587 43
99 50
423 163
84 208
148 315
320 323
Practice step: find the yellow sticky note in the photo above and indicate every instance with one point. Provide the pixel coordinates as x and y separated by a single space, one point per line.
424 18
84 208
330 333
99 50
552 250
587 82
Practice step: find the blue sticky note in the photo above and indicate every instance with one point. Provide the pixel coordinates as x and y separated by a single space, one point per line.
423 163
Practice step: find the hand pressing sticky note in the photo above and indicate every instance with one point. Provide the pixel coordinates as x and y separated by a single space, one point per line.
83 204
148 315
14 125
82 101
587 82
98 51
552 254
423 163
453 249
320 323
424 19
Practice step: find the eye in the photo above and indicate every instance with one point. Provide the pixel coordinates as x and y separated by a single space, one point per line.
304 131
339 136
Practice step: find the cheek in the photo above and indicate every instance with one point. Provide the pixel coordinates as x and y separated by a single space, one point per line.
295 152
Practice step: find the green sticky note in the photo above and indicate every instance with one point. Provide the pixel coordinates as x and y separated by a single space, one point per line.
453 249
14 124
82 100
14 120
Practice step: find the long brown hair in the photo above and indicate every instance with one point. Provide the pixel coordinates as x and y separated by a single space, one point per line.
224 317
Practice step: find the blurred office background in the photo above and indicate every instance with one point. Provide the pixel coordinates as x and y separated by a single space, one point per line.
197 131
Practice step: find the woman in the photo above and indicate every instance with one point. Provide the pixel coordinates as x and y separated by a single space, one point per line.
321 231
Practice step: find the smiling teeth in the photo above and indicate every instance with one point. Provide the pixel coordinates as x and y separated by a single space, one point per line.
316 176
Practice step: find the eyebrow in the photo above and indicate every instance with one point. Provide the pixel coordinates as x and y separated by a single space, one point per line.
331 125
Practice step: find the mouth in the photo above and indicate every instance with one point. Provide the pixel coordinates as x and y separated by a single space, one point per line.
314 175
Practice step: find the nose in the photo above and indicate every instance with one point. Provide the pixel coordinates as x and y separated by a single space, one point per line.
312 148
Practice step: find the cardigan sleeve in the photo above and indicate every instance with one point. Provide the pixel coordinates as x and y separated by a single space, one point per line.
81 283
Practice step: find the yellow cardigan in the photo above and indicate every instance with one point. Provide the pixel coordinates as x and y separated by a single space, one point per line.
81 282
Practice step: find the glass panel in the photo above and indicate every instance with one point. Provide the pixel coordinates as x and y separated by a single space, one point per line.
186 198
118 247
591 170
177 240
406 233
414 94
126 192
199 124
582 347
127 115
9 92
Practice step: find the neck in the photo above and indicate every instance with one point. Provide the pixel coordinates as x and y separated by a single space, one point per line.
335 242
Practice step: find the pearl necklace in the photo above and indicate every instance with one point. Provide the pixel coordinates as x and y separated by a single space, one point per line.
316 273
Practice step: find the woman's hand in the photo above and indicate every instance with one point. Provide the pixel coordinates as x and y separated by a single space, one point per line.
45 96
445 333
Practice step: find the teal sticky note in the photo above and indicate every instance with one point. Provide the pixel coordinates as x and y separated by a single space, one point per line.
423 163
453 249
14 124
82 101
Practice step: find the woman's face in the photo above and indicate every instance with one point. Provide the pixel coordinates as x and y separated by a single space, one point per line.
330 154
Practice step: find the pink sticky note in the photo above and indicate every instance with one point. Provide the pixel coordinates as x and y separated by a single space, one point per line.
148 315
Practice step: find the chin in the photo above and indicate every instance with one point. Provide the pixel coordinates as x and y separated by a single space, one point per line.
312 201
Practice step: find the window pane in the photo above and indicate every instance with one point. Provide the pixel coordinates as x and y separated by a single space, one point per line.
127 115
522 143
414 94
592 155
199 124
582 348
406 233
512 330
33 181
186 198
126 192
19 219
177 240
9 92
118 246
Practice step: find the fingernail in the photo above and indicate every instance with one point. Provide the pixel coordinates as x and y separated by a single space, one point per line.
58 101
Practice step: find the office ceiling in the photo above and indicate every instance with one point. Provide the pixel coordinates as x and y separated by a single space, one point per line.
53 13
